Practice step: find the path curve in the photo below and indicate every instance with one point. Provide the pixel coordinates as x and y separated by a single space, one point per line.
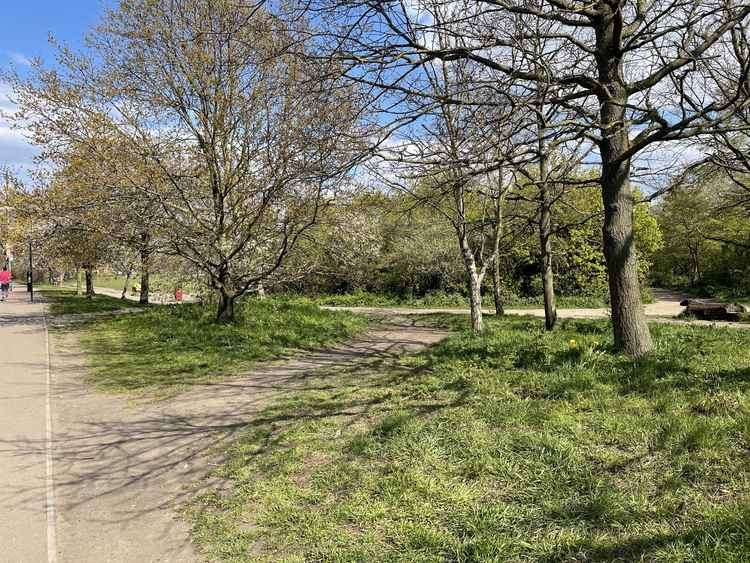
124 469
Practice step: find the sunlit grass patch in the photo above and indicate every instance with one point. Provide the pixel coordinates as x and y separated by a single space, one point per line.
516 445
170 347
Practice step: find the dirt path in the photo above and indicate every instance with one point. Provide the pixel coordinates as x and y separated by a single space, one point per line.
666 304
664 309
123 469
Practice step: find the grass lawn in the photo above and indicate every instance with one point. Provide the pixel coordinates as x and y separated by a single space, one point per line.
63 301
115 282
170 347
517 446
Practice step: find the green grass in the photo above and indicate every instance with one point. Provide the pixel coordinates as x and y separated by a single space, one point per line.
516 446
65 302
170 347
449 300
114 282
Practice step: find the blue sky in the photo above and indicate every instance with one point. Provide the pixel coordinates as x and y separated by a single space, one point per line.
25 27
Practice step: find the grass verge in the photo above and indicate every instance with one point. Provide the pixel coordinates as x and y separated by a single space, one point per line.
170 347
516 446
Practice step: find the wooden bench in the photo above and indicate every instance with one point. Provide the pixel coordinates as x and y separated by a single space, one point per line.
712 310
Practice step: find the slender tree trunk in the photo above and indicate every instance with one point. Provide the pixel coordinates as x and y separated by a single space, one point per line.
694 267
261 291
497 280
548 276
475 285
79 282
475 301
127 282
497 288
89 283
631 333
545 226
145 269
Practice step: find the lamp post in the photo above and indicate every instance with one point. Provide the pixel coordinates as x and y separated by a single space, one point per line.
30 273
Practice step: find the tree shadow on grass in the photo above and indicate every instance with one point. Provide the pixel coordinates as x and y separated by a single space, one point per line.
731 529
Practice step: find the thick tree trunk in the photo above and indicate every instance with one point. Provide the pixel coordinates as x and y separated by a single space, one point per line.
89 283
497 288
628 318
631 332
225 311
145 269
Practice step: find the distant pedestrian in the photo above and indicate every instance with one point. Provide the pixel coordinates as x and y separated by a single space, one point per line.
4 283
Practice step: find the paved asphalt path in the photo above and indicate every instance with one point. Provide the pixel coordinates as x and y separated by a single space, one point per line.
25 536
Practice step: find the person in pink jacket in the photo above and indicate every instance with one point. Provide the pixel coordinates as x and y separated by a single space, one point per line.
4 283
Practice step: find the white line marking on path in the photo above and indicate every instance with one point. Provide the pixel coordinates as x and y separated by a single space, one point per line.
50 477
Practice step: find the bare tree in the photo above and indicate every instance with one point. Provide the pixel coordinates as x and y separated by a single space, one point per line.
456 158
631 74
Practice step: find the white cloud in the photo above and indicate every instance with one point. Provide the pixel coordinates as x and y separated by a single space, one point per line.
19 58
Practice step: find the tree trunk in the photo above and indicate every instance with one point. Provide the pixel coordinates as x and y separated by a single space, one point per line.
497 288
475 301
475 285
145 269
127 282
545 225
79 282
548 276
497 280
628 319
225 312
631 333
89 283
261 291
694 266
